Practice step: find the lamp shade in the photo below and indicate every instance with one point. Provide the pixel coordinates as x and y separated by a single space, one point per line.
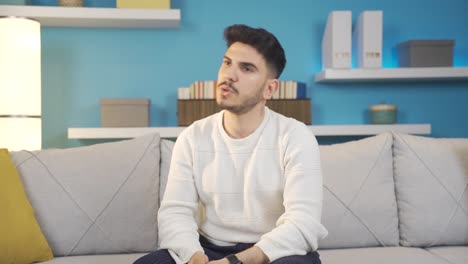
20 84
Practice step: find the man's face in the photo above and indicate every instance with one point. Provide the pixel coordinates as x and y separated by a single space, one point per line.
242 79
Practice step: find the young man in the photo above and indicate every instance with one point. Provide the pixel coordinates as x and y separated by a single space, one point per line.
251 176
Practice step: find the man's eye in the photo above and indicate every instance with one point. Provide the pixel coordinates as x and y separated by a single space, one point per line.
226 62
247 69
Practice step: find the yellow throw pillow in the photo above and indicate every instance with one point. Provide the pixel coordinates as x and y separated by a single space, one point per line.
21 238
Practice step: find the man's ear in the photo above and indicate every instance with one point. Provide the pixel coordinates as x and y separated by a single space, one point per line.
271 87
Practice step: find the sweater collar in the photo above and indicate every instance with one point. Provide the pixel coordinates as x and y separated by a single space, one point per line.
246 140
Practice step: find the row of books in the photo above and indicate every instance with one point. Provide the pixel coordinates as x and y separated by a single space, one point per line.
342 46
290 90
198 90
207 90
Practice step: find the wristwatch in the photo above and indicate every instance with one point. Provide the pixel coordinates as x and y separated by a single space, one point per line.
233 259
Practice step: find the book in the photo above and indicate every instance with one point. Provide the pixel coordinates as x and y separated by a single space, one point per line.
183 93
336 41
301 90
367 37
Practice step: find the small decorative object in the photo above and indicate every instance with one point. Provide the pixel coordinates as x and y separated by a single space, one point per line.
383 114
44 2
70 2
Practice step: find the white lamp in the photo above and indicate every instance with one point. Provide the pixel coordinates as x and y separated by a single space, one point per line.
20 84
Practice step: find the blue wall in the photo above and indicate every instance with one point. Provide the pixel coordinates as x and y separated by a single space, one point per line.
80 66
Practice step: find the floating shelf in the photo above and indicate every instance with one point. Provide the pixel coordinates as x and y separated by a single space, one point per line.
318 130
368 130
122 132
392 74
53 16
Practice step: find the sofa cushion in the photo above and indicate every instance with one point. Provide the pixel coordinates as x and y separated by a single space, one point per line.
431 179
359 207
97 259
98 199
380 255
18 226
453 255
166 153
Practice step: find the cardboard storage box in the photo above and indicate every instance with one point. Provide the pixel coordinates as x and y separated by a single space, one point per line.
125 112
426 53
160 4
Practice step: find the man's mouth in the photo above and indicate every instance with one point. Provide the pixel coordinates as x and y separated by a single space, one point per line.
226 88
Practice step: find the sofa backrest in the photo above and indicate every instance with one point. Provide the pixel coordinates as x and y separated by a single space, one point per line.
359 207
431 179
100 199
166 155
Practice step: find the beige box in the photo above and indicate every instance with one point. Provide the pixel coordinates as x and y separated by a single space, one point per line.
159 4
128 112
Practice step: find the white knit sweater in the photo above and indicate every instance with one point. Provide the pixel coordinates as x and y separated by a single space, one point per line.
264 189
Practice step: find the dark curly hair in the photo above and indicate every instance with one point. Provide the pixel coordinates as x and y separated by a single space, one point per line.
263 41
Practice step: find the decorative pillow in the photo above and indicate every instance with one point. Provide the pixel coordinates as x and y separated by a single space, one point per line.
100 199
166 153
21 239
431 179
359 208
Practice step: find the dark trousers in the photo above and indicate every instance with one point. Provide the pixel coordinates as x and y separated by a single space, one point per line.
215 252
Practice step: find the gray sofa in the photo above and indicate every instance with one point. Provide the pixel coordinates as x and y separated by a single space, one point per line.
391 198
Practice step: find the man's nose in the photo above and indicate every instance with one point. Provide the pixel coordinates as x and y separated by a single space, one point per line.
230 74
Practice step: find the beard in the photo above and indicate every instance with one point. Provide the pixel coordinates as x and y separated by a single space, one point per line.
245 105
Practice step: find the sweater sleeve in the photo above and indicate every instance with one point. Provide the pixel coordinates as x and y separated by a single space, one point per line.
298 229
178 230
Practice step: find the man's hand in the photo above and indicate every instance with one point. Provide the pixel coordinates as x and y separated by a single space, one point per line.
198 258
253 255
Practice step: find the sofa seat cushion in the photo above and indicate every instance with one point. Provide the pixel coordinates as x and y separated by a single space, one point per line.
380 255
359 207
97 259
431 179
100 199
453 255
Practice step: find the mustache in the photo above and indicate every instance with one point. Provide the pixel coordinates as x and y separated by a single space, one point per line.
230 85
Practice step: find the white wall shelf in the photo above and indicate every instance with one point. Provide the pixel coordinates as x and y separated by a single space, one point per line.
53 16
392 74
368 130
318 130
122 132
